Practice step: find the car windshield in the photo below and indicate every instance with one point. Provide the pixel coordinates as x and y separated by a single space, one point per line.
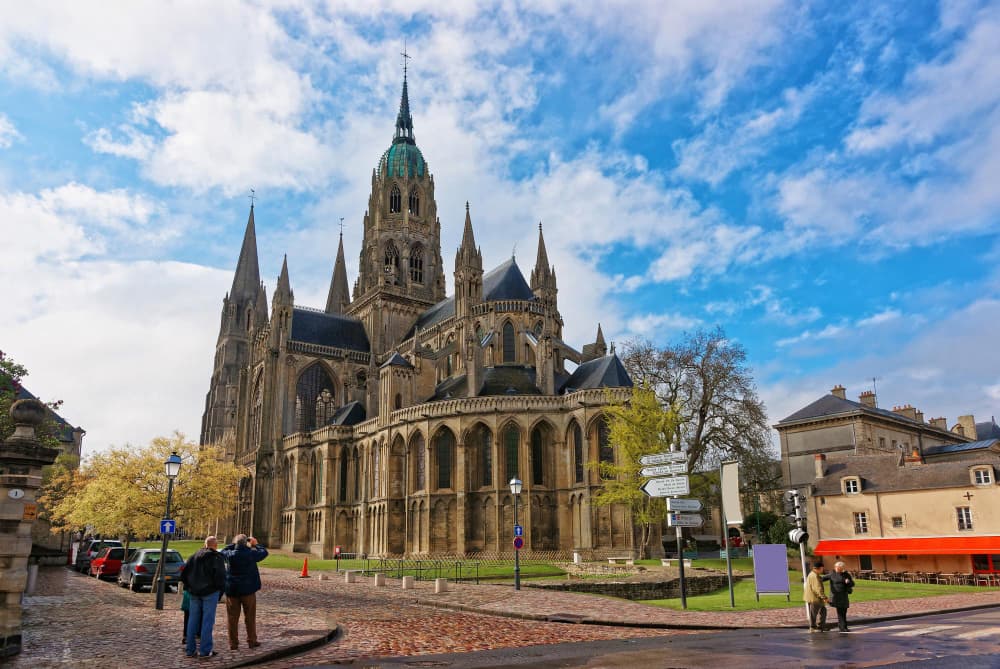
116 553
172 557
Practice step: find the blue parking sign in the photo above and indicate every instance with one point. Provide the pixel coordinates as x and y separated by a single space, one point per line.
518 531
167 526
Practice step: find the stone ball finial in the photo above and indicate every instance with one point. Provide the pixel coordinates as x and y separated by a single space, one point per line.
27 412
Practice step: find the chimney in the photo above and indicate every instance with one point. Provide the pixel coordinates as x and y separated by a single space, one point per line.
906 411
940 423
839 391
914 458
920 416
966 426
867 398
820 461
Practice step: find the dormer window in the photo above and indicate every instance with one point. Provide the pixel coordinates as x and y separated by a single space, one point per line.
851 485
982 475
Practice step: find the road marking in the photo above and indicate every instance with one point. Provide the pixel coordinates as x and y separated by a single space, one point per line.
926 630
869 630
976 634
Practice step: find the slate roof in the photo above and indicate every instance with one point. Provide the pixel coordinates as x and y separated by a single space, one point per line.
882 473
397 361
351 413
961 448
605 372
504 282
831 405
987 430
451 388
509 380
316 327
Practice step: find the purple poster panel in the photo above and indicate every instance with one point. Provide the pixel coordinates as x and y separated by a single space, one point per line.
770 568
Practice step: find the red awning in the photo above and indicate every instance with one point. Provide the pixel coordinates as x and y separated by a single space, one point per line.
908 546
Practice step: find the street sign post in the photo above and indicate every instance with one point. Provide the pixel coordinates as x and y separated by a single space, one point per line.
683 504
518 543
666 470
518 530
663 458
685 520
167 526
667 487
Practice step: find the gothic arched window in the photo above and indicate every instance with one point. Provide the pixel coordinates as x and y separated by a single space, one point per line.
509 350
395 200
256 412
309 391
510 444
444 446
316 487
343 476
481 444
414 202
578 453
391 263
417 264
604 451
420 455
537 457
376 477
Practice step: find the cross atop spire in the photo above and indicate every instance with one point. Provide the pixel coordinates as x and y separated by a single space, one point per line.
253 196
404 122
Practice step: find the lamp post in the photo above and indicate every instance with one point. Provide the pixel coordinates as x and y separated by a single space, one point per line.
515 490
756 506
173 467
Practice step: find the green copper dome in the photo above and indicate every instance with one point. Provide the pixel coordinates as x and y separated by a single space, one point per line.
402 160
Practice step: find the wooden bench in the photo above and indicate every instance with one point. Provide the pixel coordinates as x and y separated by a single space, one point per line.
621 560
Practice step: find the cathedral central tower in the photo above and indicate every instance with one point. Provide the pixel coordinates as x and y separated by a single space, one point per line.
400 271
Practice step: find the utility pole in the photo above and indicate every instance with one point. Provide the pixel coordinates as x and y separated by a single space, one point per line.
799 535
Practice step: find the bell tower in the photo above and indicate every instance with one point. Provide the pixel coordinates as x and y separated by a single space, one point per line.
400 270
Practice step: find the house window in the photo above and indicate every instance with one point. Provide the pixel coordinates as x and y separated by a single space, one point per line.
881 443
897 522
964 517
982 476
861 522
852 486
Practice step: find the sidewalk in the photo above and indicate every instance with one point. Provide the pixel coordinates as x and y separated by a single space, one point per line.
76 621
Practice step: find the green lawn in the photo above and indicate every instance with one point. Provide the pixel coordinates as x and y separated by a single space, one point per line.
864 591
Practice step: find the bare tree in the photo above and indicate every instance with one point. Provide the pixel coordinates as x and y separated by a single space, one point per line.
705 377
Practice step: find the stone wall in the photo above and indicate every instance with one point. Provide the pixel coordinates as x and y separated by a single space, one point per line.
665 589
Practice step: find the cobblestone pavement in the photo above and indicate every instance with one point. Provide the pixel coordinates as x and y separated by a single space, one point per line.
77 621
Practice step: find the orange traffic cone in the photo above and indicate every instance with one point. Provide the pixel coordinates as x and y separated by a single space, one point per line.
305 569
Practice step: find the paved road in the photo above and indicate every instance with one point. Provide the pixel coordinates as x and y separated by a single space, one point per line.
970 640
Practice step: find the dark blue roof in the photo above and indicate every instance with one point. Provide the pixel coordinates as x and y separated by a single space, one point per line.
988 430
960 448
605 372
509 380
318 327
397 361
351 413
830 405
504 282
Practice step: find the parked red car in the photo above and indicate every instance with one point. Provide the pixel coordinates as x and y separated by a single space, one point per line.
108 562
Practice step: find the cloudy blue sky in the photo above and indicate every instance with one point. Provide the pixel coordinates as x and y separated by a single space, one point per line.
819 178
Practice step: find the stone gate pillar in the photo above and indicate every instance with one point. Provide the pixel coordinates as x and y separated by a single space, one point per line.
21 462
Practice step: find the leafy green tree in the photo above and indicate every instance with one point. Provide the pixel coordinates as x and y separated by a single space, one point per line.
766 520
778 532
641 426
11 373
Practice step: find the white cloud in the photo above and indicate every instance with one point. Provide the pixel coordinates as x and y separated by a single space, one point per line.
835 330
656 325
8 133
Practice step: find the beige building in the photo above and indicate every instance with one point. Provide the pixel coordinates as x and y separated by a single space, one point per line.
906 512
390 421
834 424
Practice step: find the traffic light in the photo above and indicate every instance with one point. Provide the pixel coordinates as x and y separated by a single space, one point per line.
798 536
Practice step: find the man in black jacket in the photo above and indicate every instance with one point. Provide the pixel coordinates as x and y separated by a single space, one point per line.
841 585
204 577
242 584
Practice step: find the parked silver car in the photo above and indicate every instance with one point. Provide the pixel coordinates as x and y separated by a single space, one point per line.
139 570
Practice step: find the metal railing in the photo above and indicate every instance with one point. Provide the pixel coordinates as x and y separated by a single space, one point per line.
453 570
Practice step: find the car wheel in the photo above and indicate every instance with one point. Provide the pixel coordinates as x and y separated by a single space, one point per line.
121 583
134 585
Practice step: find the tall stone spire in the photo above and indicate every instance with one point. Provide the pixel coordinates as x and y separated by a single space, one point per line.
543 276
542 259
339 296
247 277
404 122
283 293
468 254
468 271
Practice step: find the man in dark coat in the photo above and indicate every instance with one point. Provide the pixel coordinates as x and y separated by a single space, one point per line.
204 577
841 585
242 584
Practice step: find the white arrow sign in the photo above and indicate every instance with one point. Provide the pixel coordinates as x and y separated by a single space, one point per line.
685 520
684 505
663 458
667 487
666 470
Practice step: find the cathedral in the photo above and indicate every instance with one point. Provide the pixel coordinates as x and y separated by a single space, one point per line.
391 421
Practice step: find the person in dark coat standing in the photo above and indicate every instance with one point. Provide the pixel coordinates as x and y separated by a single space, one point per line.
204 577
242 584
841 585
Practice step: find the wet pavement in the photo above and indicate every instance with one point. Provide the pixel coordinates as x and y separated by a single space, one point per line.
76 621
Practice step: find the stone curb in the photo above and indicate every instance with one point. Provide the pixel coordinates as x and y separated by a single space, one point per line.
287 651
573 620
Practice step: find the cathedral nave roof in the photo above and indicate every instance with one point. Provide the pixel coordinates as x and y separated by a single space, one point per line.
316 327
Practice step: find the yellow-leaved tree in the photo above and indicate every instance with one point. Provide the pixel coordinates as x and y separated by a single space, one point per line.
641 426
125 489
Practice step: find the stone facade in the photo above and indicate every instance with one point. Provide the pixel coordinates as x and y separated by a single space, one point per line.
391 421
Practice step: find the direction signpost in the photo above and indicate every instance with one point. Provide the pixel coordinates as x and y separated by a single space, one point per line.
665 470
663 458
677 504
666 487
685 520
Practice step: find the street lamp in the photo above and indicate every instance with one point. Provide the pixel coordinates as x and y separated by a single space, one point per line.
173 468
515 490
